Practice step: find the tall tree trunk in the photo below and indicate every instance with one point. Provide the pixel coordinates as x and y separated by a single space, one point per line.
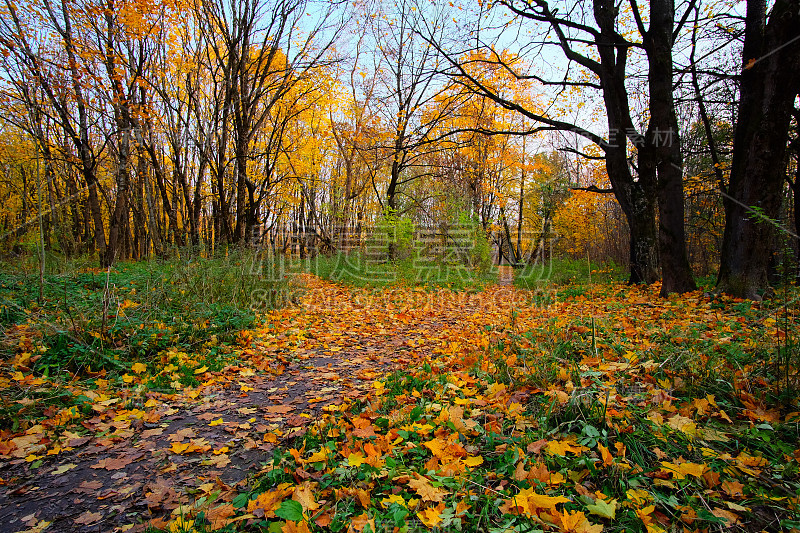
121 210
197 204
637 198
391 205
662 140
520 217
769 84
241 190
643 239
152 215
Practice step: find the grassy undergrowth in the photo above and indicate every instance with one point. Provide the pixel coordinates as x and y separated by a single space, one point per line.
355 269
358 270
562 272
97 324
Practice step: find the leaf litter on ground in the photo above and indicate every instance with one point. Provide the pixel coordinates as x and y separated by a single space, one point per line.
505 410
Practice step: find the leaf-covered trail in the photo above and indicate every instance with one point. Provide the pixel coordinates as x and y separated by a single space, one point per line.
140 454
598 406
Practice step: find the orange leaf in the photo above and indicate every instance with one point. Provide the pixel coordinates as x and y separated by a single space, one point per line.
304 495
295 527
608 459
576 522
426 491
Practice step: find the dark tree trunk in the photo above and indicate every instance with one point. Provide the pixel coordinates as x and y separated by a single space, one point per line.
641 216
769 85
637 198
119 216
663 143
794 183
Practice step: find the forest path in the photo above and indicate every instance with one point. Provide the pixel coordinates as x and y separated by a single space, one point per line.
144 457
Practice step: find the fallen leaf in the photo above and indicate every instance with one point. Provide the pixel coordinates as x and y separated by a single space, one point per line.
425 490
63 468
604 509
432 516
113 463
304 495
88 518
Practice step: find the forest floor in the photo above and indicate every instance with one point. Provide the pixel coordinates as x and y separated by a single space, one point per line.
579 409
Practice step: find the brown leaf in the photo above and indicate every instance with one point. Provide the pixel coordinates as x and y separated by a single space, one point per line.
183 433
89 487
114 463
278 409
520 473
536 447
80 441
88 518
218 516
325 519
297 421
731 518
155 432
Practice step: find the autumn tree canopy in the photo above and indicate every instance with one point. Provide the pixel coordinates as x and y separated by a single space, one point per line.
133 129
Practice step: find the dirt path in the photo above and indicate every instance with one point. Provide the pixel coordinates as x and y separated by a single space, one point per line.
133 470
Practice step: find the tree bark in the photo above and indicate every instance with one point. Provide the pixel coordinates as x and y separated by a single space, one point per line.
770 81
666 159
637 198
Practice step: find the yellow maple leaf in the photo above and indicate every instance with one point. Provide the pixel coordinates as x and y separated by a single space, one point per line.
317 457
179 447
530 503
535 501
437 446
180 524
576 522
562 447
360 522
680 471
355 459
139 368
608 459
683 424
638 496
473 461
270 501
216 422
295 527
432 516
394 498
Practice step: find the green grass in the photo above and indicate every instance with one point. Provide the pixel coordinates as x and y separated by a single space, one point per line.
355 269
564 271
358 270
89 319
